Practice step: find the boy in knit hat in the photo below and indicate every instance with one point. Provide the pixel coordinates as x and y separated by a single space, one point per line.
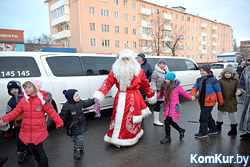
74 119
228 84
15 91
209 91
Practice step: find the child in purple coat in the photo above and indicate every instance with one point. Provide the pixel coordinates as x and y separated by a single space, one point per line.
171 89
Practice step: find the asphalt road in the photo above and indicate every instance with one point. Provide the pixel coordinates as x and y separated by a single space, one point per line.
148 152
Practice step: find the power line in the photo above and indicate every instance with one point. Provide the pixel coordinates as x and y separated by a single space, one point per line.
246 9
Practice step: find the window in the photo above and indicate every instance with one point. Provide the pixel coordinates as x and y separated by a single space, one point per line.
57 12
105 42
116 15
58 64
134 31
125 30
18 67
133 5
104 13
176 16
116 2
117 43
176 65
105 28
91 10
143 18
126 44
134 18
135 44
67 44
92 26
125 16
188 28
182 27
93 41
117 29
97 65
190 65
125 3
182 17
188 18
143 6
157 11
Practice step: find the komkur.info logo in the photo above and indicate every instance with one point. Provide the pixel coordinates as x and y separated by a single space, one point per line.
219 159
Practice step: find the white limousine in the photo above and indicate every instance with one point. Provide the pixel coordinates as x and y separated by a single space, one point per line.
84 72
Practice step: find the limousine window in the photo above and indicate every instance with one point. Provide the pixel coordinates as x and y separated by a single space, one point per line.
97 65
18 67
176 65
65 66
191 65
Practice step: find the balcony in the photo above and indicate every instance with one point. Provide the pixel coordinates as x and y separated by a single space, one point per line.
61 35
60 20
60 7
166 50
146 49
167 38
146 36
203 34
167 16
214 35
214 28
203 51
145 24
214 44
58 4
203 25
167 28
214 52
203 42
144 11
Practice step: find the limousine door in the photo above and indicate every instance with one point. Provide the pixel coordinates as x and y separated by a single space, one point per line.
65 72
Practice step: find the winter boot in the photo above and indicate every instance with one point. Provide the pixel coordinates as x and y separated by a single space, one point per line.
21 157
81 148
218 125
77 154
233 131
166 139
181 131
156 119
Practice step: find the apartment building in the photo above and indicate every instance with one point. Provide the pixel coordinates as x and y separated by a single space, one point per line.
109 26
245 48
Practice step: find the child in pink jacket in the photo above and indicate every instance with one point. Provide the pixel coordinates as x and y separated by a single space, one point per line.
171 89
33 106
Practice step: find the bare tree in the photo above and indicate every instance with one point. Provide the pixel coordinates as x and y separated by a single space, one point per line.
174 41
235 47
36 43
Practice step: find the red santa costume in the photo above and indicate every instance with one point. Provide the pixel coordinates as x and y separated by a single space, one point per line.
129 107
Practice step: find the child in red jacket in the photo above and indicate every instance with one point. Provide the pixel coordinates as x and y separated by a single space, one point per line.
34 128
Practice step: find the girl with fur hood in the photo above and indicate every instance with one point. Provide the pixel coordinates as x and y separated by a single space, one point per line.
33 106
228 84
157 79
170 89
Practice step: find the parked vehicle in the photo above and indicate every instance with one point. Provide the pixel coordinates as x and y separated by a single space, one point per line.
217 68
84 72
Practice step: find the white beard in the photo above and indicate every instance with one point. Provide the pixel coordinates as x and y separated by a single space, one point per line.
125 71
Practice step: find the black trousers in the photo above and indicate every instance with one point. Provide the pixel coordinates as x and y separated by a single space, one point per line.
20 146
169 121
39 154
206 120
158 106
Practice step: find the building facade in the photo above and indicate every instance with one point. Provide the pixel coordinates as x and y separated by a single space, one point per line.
245 48
108 26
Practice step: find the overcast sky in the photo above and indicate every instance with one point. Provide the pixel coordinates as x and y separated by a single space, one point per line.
32 16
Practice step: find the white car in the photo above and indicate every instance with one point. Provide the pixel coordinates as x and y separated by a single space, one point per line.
217 68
